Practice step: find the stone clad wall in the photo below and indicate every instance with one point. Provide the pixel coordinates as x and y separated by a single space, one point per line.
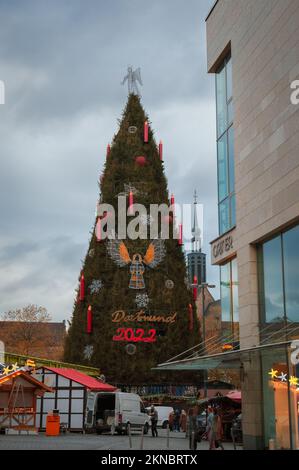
264 40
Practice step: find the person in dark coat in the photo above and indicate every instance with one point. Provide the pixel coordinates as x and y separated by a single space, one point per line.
171 420
176 422
193 430
154 420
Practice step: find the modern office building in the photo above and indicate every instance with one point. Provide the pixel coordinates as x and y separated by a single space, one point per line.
253 50
196 263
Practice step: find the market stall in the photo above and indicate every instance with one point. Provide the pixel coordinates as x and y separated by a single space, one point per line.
19 392
71 389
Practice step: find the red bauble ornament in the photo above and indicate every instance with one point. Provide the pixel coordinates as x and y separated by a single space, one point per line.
141 160
89 320
82 288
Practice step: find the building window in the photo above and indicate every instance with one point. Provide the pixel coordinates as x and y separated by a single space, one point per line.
225 148
229 299
278 274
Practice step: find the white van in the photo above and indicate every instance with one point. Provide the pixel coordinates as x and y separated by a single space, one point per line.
163 414
114 411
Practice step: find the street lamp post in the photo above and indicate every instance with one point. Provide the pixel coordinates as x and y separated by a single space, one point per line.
203 286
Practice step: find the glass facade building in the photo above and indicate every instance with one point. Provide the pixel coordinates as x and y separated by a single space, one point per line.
225 148
229 300
280 398
226 197
278 261
258 209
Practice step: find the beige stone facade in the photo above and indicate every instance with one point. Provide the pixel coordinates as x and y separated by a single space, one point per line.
262 37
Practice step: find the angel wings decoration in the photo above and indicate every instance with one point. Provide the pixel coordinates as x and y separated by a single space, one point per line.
155 252
133 77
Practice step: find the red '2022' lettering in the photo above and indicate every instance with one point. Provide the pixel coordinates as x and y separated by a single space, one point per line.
135 336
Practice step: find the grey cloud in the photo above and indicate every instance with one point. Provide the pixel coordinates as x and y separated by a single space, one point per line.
63 58
62 63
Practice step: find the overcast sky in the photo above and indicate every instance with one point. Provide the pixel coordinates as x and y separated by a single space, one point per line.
62 63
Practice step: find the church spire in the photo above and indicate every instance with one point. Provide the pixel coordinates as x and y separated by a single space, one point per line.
196 239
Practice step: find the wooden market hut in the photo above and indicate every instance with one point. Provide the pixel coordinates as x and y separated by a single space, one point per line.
71 391
18 398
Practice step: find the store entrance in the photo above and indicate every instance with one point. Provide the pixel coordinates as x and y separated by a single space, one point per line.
276 399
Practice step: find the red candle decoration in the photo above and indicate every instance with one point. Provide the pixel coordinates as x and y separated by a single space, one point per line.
108 151
106 215
161 150
141 160
131 202
195 281
172 202
180 234
145 131
167 219
99 230
89 320
190 310
82 288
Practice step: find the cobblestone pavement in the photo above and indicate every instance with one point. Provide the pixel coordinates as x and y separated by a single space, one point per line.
74 441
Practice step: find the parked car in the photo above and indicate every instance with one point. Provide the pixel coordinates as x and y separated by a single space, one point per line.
114 412
163 414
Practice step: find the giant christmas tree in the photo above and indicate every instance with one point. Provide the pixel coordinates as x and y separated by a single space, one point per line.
133 309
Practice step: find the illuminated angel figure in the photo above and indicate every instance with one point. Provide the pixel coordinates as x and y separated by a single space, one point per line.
154 255
133 78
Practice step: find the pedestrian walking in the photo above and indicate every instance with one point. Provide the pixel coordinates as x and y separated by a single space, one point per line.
183 421
176 422
171 420
209 430
217 430
154 420
193 430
